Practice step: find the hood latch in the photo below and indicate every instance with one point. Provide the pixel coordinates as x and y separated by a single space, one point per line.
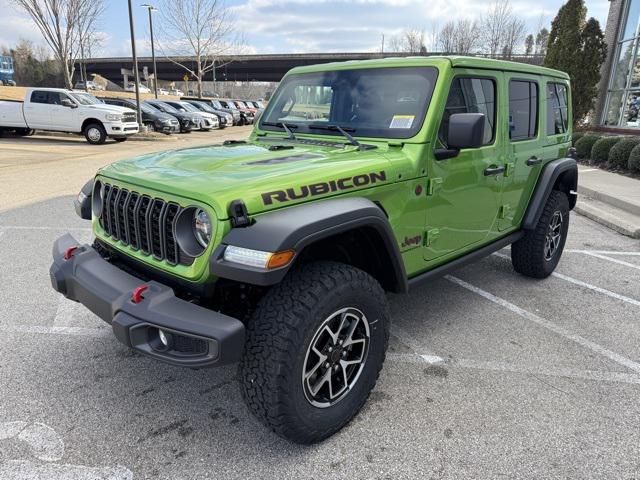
239 214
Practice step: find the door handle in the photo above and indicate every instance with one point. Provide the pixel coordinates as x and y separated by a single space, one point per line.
493 170
533 161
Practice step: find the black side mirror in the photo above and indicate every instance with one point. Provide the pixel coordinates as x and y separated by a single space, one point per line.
466 130
65 102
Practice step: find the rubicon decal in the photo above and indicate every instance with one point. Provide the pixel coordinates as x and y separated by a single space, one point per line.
296 193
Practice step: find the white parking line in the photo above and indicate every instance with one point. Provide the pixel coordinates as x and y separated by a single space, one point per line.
41 329
616 357
613 260
602 252
609 293
580 283
408 340
618 377
25 227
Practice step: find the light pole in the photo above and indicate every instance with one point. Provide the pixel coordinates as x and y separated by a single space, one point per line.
136 74
151 8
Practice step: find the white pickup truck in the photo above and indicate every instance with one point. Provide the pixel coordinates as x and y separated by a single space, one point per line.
60 110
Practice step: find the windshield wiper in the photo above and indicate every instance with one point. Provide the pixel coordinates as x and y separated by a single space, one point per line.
285 126
343 130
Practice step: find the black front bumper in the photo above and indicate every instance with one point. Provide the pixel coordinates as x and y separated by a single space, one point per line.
198 337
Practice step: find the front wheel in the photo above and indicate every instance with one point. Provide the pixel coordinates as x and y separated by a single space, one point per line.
315 347
537 253
95 134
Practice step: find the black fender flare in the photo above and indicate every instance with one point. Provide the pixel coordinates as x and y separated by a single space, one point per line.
297 227
560 174
83 207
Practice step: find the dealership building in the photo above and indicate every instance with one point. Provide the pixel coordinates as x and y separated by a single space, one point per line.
619 97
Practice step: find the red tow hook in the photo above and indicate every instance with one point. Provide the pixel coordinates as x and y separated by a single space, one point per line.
69 253
136 296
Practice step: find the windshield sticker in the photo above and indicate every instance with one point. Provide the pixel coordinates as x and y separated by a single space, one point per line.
402 121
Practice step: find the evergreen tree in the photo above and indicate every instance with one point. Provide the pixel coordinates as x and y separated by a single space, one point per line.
577 47
592 55
528 45
542 39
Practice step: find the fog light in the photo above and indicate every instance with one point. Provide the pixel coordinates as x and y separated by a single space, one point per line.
163 338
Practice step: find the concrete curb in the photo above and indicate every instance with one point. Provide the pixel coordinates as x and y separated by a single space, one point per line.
610 199
611 217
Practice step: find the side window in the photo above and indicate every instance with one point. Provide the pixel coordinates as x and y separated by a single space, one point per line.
471 95
55 98
523 110
38 96
556 108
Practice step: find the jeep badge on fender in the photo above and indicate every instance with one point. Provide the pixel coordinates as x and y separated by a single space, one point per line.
358 179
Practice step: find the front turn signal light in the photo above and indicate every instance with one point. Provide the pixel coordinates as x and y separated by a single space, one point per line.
280 259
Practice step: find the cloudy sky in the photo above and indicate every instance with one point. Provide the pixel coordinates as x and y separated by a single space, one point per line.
298 26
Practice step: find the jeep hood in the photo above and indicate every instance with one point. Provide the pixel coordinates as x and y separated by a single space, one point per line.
217 175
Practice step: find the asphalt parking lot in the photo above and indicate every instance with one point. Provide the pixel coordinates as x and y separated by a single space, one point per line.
489 374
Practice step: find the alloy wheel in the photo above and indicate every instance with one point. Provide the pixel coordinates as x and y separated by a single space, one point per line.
554 236
336 357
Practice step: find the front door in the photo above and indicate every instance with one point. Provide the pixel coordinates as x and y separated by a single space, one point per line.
64 118
464 191
524 145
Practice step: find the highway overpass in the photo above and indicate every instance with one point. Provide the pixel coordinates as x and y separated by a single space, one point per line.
259 68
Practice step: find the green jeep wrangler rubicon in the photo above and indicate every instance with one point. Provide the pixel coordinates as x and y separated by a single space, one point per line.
359 178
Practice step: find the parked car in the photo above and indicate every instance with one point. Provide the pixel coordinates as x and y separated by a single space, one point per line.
215 103
277 252
163 91
131 87
242 105
225 119
246 117
154 120
188 121
176 92
88 85
208 121
60 110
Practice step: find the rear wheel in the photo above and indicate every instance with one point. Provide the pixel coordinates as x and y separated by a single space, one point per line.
95 134
315 347
537 253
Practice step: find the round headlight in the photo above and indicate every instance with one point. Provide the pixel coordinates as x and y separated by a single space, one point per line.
202 227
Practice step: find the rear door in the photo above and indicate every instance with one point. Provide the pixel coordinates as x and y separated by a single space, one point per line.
464 191
37 111
524 147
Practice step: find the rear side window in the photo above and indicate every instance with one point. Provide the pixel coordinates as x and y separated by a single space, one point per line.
38 96
523 110
556 108
471 95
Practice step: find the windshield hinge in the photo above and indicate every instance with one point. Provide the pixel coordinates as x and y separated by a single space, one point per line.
432 184
239 214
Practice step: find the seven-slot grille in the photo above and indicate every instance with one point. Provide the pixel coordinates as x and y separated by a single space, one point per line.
129 117
142 222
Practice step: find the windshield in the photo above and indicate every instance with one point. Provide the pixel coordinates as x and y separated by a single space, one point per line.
374 102
85 99
216 104
165 106
205 107
187 106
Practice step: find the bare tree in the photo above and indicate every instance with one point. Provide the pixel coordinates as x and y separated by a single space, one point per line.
89 39
197 34
59 22
447 37
497 27
409 41
459 37
513 37
542 39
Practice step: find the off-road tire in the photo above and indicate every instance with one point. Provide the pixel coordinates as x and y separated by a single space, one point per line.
95 134
528 253
279 333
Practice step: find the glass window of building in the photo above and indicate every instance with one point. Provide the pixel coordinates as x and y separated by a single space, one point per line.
623 93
